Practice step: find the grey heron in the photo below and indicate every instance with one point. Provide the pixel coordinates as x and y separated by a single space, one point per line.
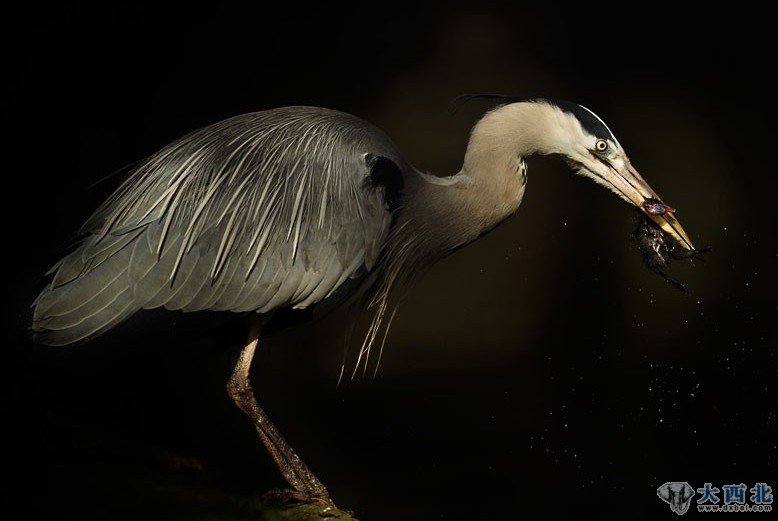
305 207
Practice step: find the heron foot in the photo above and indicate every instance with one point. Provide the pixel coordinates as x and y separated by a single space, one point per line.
293 505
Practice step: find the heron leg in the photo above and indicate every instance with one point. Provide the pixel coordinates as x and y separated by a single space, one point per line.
294 470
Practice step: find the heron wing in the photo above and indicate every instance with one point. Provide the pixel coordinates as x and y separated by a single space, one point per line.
264 210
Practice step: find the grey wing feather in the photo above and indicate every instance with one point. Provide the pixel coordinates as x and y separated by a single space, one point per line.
259 211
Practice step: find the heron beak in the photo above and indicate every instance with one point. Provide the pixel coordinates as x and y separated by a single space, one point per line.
672 227
629 182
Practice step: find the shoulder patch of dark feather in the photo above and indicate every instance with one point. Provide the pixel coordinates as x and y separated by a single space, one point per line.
385 174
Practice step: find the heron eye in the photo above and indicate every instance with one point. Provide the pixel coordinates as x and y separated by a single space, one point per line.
601 145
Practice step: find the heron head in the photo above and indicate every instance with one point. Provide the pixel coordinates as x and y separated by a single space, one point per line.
588 144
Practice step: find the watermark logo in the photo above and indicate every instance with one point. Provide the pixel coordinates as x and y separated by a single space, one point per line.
731 497
677 494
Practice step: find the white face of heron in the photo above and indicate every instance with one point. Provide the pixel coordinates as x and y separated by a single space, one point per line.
604 161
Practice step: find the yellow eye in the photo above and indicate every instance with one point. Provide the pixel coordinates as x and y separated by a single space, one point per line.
601 145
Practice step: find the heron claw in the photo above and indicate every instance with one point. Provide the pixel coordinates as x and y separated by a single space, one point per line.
288 499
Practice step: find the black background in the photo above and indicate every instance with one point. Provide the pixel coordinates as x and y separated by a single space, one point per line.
542 370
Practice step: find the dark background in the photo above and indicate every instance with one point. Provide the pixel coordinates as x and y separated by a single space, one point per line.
541 371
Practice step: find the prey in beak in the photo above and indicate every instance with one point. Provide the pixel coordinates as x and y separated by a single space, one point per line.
663 216
658 249
656 207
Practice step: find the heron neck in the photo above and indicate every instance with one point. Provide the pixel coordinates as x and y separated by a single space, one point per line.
447 212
